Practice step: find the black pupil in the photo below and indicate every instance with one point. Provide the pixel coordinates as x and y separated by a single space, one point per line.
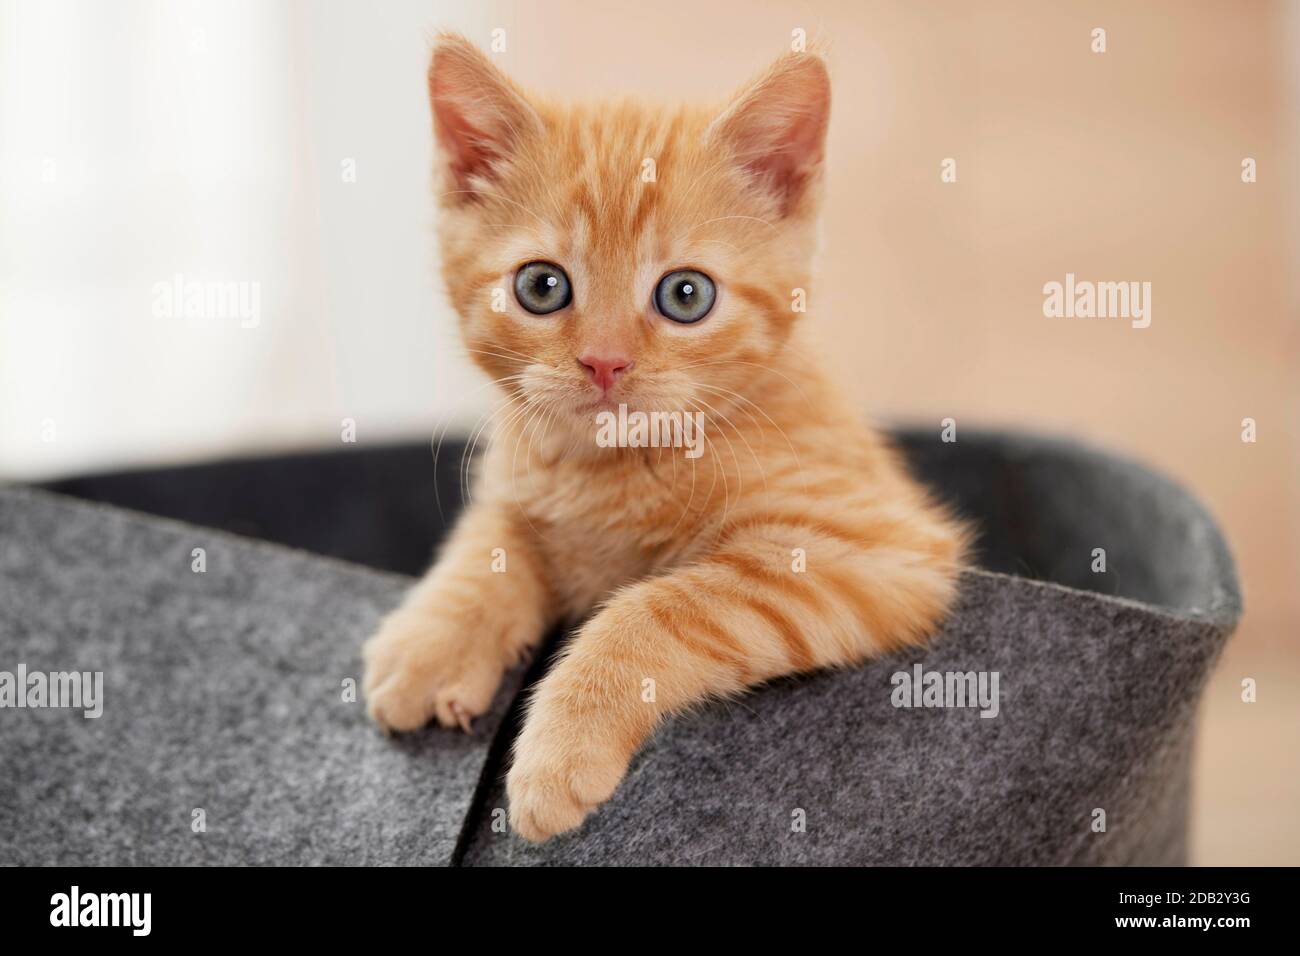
685 290
545 284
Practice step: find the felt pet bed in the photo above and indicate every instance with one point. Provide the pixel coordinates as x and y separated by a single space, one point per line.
228 734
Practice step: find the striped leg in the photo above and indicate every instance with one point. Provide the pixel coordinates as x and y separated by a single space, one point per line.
770 600
482 605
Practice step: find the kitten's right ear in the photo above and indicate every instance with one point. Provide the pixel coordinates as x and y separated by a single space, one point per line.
479 117
776 128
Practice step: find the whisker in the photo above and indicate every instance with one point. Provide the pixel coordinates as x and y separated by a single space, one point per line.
780 431
765 368
741 435
700 225
440 438
533 414
497 196
510 355
512 402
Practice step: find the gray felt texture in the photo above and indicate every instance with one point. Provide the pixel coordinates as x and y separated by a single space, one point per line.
223 691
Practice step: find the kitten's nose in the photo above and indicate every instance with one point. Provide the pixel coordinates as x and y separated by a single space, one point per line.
604 370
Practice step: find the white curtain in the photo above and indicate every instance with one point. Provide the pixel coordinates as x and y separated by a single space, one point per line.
268 160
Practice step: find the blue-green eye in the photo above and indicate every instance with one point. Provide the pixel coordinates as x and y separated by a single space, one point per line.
685 296
542 288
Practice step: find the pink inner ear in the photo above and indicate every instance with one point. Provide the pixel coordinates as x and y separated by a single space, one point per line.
777 127
469 149
477 114
789 157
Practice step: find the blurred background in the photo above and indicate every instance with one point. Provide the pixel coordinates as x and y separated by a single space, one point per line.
285 147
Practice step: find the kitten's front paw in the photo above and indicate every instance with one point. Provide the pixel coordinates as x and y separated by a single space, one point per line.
562 771
420 666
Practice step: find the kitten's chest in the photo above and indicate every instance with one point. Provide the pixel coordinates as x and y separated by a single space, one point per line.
600 528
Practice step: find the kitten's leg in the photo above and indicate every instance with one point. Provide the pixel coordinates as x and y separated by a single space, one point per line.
747 613
442 653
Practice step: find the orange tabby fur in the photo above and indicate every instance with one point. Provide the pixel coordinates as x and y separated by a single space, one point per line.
693 566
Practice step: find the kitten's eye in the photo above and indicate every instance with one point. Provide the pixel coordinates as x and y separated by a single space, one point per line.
542 287
684 296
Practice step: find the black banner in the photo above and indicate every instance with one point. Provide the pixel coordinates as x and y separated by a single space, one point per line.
214 906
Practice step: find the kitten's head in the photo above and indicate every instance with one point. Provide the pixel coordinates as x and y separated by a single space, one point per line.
619 253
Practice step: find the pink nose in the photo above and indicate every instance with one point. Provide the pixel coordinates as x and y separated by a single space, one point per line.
603 370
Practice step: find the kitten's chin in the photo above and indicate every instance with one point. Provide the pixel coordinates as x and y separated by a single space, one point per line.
588 415
596 406
588 411
590 406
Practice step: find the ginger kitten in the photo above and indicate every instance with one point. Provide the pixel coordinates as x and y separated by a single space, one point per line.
797 541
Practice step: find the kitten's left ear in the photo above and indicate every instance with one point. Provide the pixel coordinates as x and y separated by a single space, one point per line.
775 129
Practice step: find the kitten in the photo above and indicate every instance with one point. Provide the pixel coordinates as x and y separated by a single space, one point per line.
614 255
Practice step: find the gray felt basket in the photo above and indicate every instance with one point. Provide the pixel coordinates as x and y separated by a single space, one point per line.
224 690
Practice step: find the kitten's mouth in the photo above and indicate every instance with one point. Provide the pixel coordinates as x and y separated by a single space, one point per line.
604 403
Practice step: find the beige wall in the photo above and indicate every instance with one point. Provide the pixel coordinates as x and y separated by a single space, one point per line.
1116 166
